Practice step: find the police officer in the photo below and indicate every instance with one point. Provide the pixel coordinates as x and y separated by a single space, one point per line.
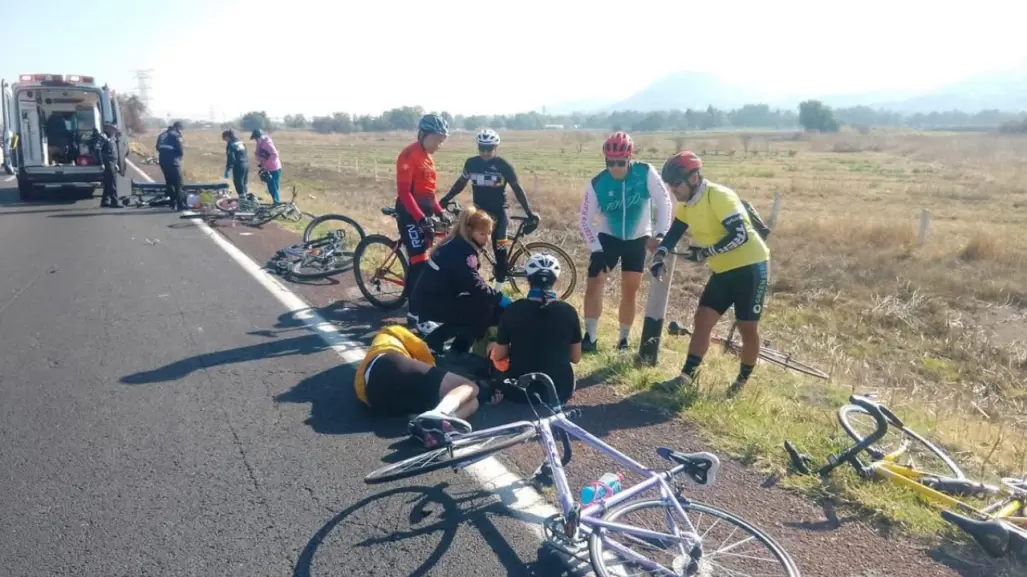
169 156
235 161
109 158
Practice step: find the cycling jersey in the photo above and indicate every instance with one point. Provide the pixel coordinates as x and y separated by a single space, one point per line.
624 207
720 224
415 181
395 339
488 178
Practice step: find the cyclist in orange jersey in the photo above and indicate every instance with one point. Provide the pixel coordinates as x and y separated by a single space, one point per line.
416 202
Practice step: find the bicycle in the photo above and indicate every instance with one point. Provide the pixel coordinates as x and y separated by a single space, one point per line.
599 522
312 260
247 211
996 525
519 254
734 345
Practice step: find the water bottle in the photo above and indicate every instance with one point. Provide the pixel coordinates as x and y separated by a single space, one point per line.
607 485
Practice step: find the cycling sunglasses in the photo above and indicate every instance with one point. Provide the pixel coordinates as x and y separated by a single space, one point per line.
618 162
486 148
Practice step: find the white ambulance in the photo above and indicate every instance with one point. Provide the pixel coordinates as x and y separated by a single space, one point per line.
48 137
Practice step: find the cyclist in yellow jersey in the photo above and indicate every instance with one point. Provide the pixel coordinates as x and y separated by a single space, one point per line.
398 376
729 237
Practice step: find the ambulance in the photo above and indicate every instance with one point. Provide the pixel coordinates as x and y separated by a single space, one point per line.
48 137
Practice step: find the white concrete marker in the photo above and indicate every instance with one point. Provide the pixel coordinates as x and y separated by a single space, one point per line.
519 497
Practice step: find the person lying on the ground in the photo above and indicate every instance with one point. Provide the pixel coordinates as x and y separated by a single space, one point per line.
452 291
398 376
539 333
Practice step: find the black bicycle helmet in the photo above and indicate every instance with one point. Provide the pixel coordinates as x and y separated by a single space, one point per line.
257 133
433 124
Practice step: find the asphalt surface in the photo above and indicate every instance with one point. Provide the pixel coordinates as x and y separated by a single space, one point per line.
162 414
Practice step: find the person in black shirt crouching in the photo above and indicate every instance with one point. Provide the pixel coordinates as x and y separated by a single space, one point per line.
539 333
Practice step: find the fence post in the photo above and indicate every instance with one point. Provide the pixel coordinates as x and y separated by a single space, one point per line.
775 210
925 224
534 185
655 311
375 160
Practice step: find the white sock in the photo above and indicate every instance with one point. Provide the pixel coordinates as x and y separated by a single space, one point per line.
591 325
448 405
625 330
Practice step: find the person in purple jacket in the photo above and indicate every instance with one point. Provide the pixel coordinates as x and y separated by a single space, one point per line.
268 161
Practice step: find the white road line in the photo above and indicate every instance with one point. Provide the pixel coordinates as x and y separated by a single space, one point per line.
518 496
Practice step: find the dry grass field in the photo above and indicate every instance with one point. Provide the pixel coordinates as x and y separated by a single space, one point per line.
937 331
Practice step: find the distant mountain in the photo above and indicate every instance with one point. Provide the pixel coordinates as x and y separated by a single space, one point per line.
685 90
1006 91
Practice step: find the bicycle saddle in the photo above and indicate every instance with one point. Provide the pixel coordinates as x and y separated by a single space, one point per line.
701 467
994 537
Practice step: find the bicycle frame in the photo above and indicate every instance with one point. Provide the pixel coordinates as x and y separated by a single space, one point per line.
589 517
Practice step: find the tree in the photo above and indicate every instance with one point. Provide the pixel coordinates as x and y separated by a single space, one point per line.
815 116
298 121
255 121
134 111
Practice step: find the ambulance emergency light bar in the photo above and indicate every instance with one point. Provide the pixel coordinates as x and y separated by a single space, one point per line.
55 79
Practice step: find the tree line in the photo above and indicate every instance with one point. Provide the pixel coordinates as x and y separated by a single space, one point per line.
811 115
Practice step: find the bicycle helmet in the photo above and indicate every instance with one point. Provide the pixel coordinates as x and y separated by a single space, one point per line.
488 137
680 167
542 270
433 124
618 145
257 133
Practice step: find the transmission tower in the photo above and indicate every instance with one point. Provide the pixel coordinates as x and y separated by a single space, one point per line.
143 85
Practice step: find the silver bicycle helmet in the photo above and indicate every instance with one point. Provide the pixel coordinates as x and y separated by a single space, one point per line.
488 137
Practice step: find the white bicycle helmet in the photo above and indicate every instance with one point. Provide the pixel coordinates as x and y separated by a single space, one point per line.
542 270
488 137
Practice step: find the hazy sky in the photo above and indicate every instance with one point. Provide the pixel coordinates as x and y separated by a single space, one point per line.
319 56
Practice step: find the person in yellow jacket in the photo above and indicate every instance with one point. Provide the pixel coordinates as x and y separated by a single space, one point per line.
398 376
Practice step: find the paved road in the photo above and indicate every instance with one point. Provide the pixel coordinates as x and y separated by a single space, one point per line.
162 414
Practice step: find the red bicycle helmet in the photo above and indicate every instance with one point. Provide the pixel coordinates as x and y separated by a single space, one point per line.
618 145
680 167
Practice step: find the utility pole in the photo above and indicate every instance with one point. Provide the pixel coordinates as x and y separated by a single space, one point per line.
659 297
143 78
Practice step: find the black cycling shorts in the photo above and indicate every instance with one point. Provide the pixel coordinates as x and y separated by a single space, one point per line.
400 385
630 253
414 240
743 287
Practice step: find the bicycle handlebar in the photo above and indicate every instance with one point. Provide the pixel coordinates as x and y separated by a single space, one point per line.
526 380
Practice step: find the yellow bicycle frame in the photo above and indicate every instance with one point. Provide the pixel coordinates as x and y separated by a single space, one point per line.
909 478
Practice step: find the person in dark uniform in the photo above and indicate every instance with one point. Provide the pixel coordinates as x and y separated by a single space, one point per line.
489 174
169 156
235 161
109 157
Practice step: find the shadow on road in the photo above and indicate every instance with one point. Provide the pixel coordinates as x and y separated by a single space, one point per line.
301 345
421 522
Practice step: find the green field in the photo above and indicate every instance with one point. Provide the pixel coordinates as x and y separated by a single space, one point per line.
937 330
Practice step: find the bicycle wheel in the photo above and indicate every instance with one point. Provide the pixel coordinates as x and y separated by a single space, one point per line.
568 272
859 424
735 540
787 362
320 227
314 267
379 276
463 450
